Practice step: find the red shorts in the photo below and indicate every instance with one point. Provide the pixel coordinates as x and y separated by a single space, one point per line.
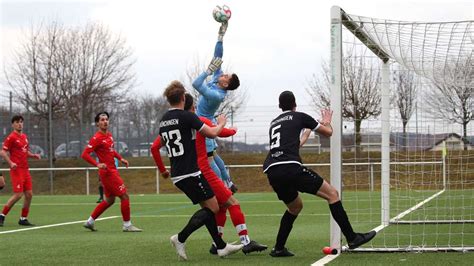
112 183
21 180
220 190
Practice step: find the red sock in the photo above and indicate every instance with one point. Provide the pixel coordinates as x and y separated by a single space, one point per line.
220 220
99 209
238 219
6 209
125 208
24 212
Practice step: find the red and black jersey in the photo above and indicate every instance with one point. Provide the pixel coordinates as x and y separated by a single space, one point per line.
284 135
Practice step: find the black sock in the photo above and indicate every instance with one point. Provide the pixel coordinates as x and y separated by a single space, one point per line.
286 224
340 216
101 192
212 228
198 219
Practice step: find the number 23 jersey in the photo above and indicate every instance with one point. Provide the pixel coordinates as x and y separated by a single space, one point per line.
178 133
284 133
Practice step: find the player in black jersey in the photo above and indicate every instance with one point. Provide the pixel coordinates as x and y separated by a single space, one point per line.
178 134
288 176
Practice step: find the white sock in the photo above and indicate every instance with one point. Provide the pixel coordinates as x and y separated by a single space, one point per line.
90 220
127 223
22 218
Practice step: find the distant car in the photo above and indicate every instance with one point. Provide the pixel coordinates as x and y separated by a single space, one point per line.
143 150
122 148
74 150
37 150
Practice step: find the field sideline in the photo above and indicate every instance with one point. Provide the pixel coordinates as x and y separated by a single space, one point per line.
164 215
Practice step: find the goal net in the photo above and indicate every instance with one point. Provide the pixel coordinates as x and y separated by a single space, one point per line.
402 152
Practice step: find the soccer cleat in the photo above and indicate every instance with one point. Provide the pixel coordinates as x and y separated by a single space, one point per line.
253 246
2 219
25 222
180 247
89 226
213 249
281 253
131 228
229 249
361 239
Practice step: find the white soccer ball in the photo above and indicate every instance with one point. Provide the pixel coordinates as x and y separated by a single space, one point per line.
221 14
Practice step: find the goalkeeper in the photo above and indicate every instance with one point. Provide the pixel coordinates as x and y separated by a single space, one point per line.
212 94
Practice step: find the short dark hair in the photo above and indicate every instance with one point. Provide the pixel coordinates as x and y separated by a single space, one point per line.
17 118
188 101
97 116
174 92
234 83
287 100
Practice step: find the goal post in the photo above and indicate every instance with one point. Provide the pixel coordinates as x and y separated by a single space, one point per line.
423 198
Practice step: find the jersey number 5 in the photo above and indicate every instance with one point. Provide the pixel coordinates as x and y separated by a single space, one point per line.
175 137
275 138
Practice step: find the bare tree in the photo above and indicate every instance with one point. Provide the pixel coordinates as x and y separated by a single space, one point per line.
83 69
405 96
360 80
234 100
454 102
143 116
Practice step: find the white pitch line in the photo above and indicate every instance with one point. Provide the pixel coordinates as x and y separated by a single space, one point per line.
326 259
246 215
53 225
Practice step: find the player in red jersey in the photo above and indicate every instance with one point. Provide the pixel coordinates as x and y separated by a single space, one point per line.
16 144
102 144
223 194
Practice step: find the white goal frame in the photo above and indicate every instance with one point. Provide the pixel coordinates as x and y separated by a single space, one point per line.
339 19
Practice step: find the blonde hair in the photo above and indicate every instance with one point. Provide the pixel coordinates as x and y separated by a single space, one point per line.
174 92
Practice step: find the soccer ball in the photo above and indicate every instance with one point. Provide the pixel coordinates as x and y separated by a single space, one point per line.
221 14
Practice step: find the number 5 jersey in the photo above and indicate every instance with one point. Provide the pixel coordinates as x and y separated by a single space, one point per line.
284 134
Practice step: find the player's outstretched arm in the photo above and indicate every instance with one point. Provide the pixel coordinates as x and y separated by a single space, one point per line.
325 129
221 33
212 132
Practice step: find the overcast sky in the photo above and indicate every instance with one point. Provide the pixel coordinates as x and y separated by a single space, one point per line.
272 45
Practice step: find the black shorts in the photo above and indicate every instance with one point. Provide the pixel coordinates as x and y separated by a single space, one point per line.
196 188
287 179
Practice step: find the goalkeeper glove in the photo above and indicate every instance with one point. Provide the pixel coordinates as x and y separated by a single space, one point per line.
222 30
214 65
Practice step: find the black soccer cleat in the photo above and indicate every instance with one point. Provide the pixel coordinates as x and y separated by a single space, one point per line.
252 247
281 253
25 222
361 239
213 249
2 220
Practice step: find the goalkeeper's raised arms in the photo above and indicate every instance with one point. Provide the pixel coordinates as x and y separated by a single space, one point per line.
222 31
214 65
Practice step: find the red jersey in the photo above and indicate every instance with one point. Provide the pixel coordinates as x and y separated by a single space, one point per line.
201 151
17 145
103 146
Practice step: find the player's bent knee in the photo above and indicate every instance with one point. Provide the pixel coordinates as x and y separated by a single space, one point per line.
233 201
